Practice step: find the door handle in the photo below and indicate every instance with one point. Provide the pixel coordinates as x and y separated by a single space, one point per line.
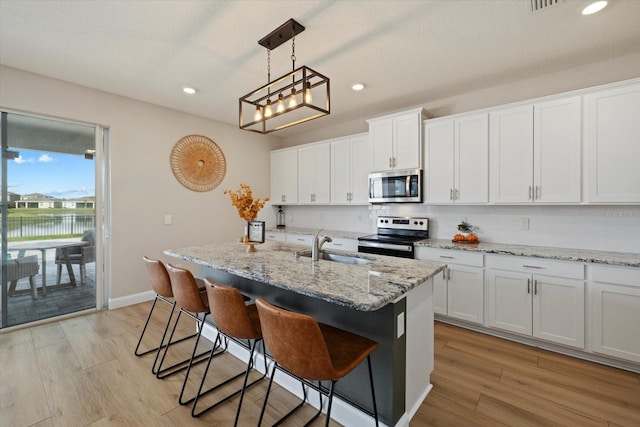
528 286
535 287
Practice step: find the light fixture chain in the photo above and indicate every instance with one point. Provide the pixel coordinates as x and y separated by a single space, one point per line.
293 52
269 65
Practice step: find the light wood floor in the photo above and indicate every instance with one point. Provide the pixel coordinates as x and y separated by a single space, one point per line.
82 372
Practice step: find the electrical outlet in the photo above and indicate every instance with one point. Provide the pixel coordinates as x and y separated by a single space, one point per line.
524 223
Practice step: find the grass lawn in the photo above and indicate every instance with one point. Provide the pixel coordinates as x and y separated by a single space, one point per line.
31 212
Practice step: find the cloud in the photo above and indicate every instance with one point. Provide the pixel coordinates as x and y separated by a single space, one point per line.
20 159
45 158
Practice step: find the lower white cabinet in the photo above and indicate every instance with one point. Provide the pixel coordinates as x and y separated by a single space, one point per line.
459 290
615 311
539 305
275 236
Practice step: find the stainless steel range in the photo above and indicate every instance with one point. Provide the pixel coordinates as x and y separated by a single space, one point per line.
396 236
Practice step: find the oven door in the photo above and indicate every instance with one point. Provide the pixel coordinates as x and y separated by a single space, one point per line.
395 186
389 249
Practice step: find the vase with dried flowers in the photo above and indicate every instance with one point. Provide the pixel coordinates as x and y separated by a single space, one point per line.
247 206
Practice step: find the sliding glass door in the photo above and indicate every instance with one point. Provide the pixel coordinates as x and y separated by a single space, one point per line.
48 218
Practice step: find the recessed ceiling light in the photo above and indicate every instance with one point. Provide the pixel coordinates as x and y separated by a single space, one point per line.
189 90
357 86
594 7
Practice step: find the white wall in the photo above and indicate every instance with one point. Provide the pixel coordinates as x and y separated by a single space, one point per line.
143 188
609 228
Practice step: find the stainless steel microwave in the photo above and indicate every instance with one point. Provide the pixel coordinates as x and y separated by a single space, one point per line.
396 186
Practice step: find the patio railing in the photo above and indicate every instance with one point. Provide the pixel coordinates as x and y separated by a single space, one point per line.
53 225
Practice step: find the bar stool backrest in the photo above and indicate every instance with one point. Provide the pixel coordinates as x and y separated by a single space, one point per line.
295 342
229 312
160 281
185 290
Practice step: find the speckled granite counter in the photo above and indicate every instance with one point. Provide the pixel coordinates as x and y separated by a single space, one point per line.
564 254
365 287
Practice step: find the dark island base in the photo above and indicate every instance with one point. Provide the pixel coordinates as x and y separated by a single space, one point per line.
388 361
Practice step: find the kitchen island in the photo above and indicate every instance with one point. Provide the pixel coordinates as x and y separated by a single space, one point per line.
387 299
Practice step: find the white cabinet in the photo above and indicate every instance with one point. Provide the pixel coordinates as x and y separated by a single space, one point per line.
284 176
348 245
396 140
459 290
457 160
350 162
525 296
612 129
535 153
615 311
314 170
275 236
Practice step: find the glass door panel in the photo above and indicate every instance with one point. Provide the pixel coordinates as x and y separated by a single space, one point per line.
48 218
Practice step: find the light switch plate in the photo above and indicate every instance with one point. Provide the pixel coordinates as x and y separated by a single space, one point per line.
167 219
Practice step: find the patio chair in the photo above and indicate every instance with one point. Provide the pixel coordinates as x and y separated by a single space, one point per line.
80 256
21 268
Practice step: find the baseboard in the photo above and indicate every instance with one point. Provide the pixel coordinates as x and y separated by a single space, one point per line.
131 299
341 411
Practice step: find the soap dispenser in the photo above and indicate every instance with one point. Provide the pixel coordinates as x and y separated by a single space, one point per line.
280 218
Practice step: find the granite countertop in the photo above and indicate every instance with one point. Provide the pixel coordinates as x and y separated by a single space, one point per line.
563 254
366 287
627 259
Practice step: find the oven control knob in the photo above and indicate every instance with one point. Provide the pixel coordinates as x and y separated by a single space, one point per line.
421 223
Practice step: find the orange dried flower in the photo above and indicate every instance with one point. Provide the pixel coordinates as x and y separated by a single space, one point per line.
243 200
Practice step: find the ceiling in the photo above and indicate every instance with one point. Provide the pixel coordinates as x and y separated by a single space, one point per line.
407 53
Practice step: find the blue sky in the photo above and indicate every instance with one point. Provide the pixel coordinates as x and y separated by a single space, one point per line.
58 175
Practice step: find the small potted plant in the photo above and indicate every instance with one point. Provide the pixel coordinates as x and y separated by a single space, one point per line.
466 233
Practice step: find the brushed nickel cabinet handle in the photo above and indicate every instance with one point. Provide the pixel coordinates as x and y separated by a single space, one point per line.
533 266
528 286
535 287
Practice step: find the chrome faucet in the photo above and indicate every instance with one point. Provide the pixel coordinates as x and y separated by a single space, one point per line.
316 246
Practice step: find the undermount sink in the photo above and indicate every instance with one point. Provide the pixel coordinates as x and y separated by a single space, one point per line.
344 259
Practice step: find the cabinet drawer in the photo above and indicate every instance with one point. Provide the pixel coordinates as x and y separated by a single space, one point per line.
612 274
275 236
300 239
349 245
572 270
449 256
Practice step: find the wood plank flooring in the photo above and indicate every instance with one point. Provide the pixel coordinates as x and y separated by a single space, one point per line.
82 372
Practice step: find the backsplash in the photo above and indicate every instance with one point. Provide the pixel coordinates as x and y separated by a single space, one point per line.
609 228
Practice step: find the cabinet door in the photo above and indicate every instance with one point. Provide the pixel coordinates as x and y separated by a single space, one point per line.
407 140
340 171
612 126
322 174
510 301
558 310
440 293
306 176
472 159
465 293
381 138
284 176
360 164
557 151
511 155
439 155
615 320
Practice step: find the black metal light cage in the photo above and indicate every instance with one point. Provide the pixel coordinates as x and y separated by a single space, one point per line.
301 79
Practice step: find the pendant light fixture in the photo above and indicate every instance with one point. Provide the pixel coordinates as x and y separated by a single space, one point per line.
299 96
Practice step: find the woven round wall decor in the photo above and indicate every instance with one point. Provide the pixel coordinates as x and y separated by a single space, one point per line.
198 163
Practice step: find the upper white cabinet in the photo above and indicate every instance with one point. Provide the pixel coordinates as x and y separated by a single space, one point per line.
314 170
535 153
612 135
457 160
350 162
396 140
539 298
284 176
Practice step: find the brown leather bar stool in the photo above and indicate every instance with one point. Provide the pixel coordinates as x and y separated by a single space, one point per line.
161 285
192 303
237 322
312 351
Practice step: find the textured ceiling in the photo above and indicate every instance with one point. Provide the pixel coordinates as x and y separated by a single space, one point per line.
406 52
